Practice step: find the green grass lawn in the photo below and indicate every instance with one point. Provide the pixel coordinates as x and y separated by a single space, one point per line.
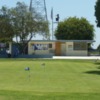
57 80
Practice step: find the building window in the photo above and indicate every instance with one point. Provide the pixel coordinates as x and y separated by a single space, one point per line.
80 46
50 45
40 46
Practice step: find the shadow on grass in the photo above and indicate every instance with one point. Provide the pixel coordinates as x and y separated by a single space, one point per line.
98 67
97 63
93 72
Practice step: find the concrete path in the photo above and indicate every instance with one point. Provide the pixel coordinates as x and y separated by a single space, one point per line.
76 57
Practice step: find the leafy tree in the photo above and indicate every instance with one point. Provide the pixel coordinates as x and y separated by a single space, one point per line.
97 13
74 29
6 28
23 23
27 23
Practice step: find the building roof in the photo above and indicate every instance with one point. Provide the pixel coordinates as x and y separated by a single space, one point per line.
88 41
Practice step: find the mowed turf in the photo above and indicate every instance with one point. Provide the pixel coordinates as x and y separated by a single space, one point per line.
49 79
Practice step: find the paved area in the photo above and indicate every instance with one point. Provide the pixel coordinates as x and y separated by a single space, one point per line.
76 57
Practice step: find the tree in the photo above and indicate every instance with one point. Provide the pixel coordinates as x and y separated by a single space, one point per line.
74 29
6 28
97 13
25 24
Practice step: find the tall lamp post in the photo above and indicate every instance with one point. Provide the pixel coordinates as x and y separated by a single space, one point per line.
56 19
52 21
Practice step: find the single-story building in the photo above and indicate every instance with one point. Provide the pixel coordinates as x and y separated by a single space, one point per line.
59 47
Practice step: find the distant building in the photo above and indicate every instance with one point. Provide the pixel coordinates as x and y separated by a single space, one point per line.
59 47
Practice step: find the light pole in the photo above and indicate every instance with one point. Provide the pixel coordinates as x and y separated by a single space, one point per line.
56 19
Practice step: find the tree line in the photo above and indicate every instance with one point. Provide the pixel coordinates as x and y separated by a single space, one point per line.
22 24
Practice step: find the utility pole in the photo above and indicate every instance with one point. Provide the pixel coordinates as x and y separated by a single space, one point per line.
40 7
30 8
52 22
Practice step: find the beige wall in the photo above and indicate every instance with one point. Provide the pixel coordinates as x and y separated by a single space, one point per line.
66 49
77 53
71 52
63 49
41 52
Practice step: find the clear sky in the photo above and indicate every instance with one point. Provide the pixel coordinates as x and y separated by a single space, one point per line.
67 8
